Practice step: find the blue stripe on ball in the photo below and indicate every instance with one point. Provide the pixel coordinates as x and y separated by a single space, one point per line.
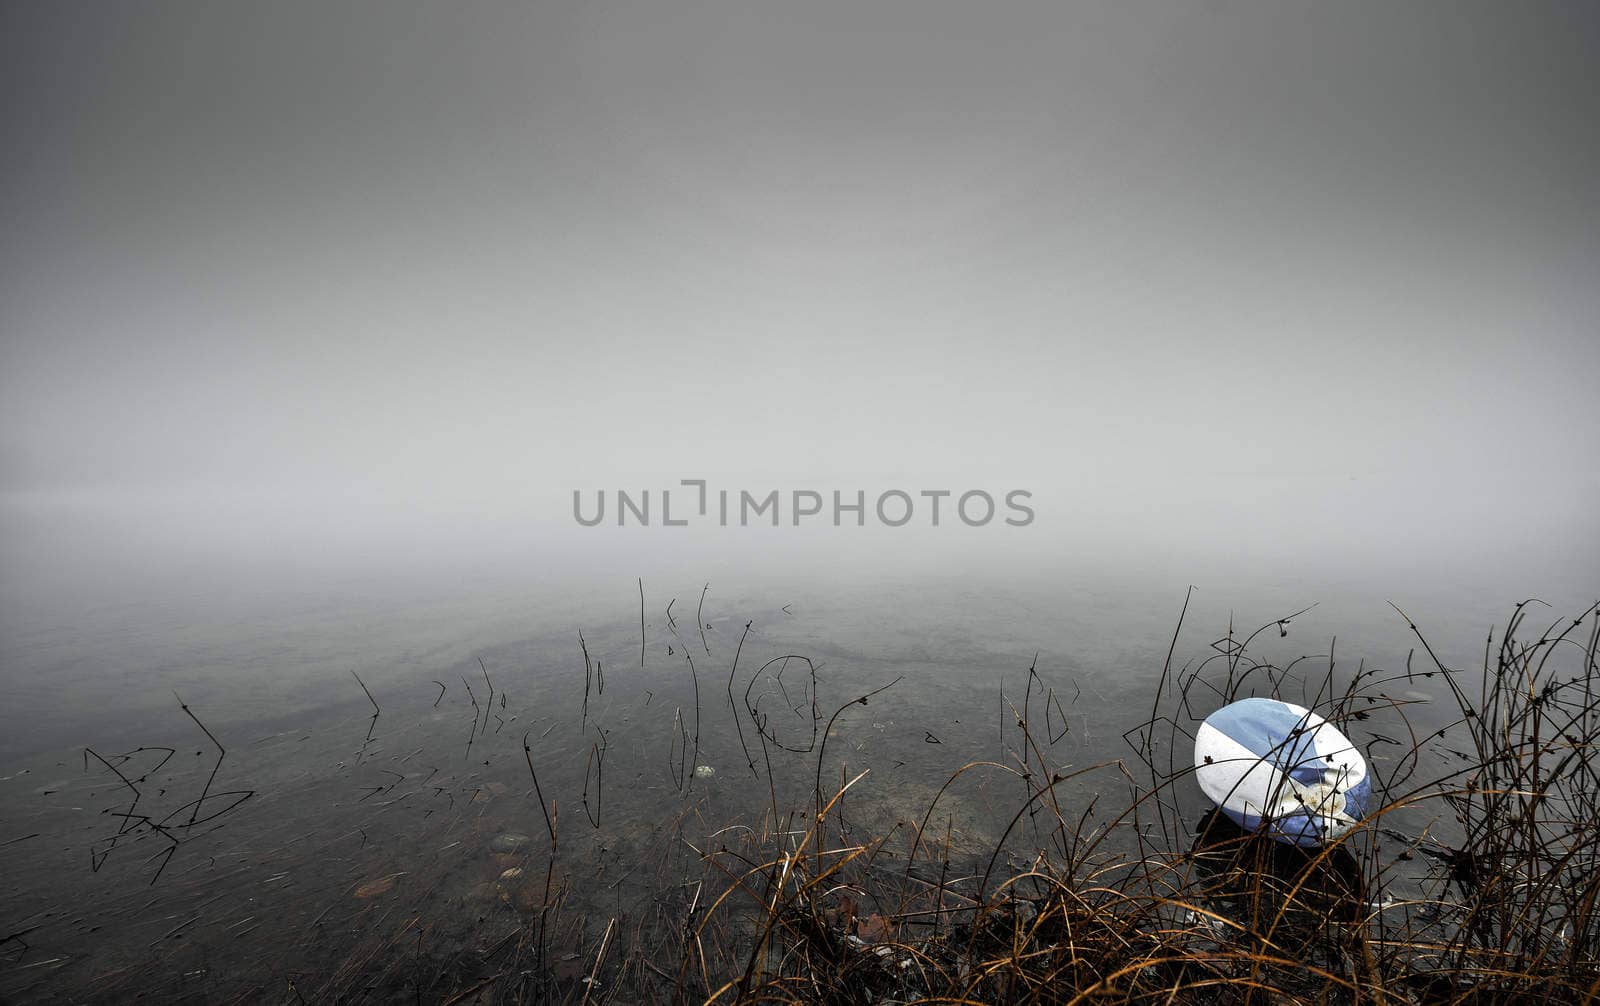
1273 732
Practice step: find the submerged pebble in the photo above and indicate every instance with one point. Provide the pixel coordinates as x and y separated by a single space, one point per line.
373 888
478 894
509 841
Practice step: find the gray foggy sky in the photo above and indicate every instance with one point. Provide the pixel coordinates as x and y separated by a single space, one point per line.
298 276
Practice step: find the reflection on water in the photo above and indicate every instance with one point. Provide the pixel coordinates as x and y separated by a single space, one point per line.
295 834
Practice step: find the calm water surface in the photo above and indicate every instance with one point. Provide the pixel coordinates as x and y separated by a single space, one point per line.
328 836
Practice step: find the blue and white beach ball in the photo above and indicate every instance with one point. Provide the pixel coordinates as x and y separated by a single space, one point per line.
1265 760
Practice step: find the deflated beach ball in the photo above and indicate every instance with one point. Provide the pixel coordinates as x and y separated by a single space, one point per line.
1261 760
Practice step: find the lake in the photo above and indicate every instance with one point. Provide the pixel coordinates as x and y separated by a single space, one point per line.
268 792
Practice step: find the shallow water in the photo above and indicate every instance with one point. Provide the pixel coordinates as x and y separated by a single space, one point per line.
334 849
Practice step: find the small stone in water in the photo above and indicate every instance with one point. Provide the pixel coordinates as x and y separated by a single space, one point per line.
704 771
512 874
508 842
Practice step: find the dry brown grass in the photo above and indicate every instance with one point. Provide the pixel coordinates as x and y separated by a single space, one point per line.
1132 905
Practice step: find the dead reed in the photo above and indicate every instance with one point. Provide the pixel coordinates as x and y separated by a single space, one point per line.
1474 880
